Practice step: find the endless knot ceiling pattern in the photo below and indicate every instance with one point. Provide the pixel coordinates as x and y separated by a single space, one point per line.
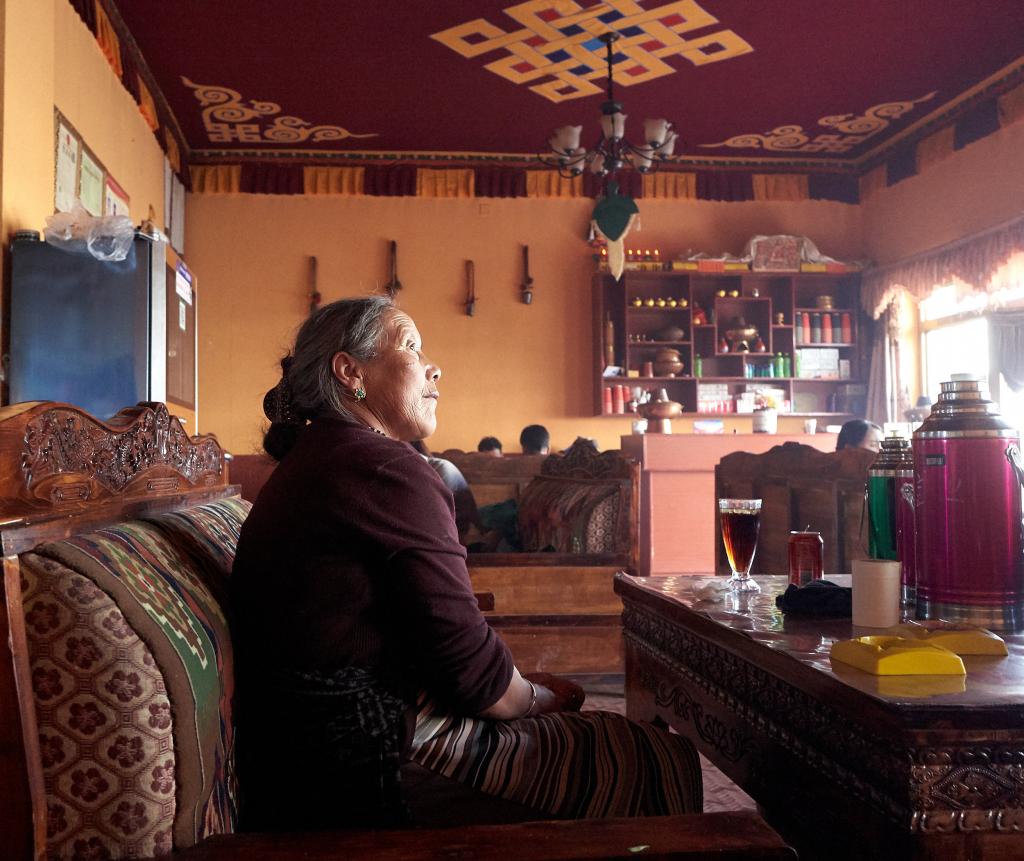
558 52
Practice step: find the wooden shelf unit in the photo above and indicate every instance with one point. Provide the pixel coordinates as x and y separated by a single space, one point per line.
759 298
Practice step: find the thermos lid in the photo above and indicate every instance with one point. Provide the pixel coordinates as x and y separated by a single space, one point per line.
964 410
894 453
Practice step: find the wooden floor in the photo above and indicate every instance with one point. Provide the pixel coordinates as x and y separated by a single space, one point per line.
721 795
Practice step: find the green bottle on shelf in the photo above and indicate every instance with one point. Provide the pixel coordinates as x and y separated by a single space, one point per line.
698 366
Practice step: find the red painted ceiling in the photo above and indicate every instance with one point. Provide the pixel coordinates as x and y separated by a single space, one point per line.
378 68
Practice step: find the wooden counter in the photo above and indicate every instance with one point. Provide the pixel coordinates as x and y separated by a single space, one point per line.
677 486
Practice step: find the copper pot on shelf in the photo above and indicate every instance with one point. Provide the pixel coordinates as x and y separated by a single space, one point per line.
668 362
670 333
659 412
740 336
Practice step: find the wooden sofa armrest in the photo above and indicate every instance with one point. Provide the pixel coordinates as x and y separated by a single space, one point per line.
723 836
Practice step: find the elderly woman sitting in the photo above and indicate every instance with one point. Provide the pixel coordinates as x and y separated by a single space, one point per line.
368 680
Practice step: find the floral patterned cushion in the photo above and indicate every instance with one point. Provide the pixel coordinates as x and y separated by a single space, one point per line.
104 720
126 636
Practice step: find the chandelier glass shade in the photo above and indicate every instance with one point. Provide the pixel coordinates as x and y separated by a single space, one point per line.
612 151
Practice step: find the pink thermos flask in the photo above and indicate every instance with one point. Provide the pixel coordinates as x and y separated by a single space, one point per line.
967 500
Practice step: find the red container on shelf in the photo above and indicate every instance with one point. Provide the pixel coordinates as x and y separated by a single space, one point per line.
806 557
826 328
847 326
618 402
606 400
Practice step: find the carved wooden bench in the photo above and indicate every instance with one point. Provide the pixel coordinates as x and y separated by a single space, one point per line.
495 479
116 728
799 487
554 603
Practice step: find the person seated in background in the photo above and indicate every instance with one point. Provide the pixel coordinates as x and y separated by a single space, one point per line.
466 517
535 439
367 679
858 433
490 445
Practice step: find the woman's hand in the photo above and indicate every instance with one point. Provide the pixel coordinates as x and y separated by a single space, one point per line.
535 694
555 694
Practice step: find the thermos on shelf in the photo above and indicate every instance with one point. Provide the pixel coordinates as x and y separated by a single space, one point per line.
967 511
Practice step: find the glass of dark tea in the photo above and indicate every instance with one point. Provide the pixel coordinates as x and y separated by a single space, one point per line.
741 520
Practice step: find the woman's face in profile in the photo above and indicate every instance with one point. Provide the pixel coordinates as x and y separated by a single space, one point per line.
401 382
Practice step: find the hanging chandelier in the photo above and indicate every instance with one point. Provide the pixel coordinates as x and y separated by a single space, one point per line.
612 151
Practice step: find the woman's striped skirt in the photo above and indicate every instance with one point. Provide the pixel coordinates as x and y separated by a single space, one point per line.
569 765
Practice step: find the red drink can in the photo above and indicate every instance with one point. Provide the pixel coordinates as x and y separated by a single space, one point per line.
806 555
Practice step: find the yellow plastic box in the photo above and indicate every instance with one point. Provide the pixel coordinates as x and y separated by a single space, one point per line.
897 656
962 641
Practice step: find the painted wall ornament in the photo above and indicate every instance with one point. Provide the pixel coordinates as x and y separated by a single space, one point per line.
793 138
614 216
227 119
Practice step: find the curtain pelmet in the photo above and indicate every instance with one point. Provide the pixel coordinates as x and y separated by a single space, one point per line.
973 261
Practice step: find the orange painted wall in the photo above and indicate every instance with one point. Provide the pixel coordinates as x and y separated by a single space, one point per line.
973 189
508 366
51 58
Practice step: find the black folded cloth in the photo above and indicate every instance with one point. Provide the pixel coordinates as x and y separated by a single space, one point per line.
817 598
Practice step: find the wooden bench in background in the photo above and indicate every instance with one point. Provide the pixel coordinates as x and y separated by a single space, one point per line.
557 610
799 487
495 479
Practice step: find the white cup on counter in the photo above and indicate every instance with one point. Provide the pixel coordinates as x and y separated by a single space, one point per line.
876 593
810 426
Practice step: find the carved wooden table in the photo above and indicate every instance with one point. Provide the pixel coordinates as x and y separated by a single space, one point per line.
843 763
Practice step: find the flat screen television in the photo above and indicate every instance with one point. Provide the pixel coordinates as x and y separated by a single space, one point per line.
80 327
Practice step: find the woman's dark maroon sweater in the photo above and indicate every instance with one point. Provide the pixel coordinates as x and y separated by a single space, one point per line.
350 557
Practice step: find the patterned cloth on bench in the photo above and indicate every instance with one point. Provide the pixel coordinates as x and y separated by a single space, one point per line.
132 674
569 515
567 766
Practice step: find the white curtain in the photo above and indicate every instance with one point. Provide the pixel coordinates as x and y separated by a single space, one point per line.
888 397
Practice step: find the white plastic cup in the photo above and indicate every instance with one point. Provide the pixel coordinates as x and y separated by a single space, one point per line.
876 593
810 425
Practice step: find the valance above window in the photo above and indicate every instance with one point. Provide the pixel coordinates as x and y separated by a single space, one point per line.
972 262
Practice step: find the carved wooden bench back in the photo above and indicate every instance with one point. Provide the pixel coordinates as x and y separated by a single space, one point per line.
799 487
139 477
495 479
